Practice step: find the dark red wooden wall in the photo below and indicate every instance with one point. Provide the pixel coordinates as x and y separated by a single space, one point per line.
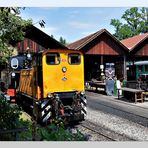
105 45
141 50
33 46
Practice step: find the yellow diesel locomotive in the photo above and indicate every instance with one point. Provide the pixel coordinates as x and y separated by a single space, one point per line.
54 86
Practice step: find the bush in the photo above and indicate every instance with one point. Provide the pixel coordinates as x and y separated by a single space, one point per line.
9 115
57 132
10 120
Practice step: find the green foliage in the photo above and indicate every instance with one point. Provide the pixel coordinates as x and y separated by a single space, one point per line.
27 135
57 132
52 36
136 22
10 119
11 29
62 41
9 115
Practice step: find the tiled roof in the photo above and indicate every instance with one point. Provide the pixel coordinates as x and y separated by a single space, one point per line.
132 42
79 44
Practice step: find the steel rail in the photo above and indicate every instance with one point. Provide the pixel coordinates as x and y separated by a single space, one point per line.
111 135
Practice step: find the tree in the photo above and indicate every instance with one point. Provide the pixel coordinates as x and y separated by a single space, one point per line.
136 22
52 36
11 29
62 41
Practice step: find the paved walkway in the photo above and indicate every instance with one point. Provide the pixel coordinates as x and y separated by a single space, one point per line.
123 100
118 101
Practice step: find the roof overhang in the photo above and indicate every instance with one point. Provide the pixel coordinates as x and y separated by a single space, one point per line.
93 36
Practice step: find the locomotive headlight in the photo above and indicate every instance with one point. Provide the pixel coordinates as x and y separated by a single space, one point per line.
49 95
13 74
29 57
64 69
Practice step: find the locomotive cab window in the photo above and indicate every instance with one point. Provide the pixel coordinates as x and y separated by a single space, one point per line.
53 59
74 58
14 63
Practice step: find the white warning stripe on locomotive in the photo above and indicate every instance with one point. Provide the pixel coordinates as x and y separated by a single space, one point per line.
83 104
84 101
45 110
47 117
44 103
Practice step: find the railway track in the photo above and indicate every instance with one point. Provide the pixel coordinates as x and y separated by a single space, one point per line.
126 111
137 114
103 133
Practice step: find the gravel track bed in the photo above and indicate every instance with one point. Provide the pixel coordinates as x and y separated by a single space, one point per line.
91 135
118 125
109 134
118 112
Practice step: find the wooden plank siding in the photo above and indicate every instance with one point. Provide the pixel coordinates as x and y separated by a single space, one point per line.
33 46
104 45
141 50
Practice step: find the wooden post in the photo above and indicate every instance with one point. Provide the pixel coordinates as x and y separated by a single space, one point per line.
101 59
124 69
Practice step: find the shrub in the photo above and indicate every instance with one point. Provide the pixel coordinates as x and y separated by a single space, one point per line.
10 120
9 115
57 132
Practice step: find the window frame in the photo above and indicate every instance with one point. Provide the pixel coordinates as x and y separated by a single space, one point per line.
79 56
14 66
53 53
146 68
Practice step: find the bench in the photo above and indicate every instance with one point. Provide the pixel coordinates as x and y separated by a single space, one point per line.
138 94
97 84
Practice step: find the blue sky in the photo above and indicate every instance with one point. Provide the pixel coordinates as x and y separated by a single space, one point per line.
73 23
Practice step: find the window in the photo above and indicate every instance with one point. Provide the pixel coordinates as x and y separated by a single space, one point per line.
140 68
146 68
74 58
53 59
14 63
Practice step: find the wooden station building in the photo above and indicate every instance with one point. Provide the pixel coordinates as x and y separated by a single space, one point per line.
138 51
99 48
35 40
